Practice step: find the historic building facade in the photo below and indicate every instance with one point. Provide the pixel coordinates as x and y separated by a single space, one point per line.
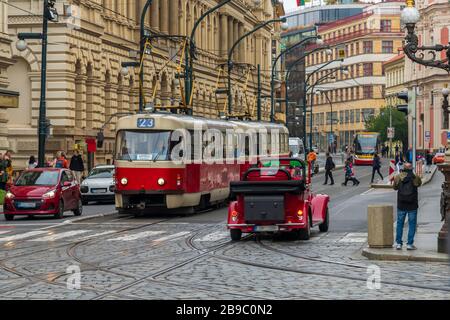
85 52
369 39
432 29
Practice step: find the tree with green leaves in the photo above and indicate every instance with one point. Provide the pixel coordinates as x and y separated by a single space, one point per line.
380 123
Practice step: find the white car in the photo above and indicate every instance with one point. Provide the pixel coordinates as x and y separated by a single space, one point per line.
297 148
99 185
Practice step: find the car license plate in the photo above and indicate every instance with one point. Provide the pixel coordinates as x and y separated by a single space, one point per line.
98 190
25 205
265 228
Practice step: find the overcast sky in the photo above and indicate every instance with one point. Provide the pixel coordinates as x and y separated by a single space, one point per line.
289 5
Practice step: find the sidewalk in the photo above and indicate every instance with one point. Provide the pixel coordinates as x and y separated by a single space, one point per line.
427 178
428 226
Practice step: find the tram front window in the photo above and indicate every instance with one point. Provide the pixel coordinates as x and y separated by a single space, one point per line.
137 145
366 144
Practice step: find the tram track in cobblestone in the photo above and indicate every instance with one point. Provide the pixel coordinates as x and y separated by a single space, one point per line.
345 264
321 274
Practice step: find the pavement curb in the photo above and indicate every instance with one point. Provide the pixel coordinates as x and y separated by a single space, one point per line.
387 255
389 186
92 217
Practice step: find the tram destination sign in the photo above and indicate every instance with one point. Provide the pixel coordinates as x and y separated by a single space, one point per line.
145 122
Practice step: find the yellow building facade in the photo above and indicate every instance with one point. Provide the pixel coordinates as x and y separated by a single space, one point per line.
394 70
85 86
369 39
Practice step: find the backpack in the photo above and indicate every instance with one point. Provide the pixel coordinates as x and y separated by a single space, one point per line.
406 190
59 163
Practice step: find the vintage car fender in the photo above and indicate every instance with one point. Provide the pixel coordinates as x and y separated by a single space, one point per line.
319 205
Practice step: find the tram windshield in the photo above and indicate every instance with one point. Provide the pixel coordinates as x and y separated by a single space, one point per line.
366 143
142 145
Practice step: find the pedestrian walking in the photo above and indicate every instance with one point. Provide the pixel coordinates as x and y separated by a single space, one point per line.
349 174
9 167
32 163
329 167
312 157
387 152
398 161
61 161
407 184
77 165
376 166
3 174
428 161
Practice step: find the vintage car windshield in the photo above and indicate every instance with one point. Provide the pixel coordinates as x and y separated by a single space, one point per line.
143 145
101 173
38 178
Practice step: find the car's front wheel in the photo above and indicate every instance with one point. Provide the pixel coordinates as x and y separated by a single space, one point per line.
60 213
9 217
79 210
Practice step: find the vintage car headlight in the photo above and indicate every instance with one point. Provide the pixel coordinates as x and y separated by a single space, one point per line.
124 181
49 195
161 181
9 195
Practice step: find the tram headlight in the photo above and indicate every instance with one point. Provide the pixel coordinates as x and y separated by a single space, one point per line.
161 181
124 181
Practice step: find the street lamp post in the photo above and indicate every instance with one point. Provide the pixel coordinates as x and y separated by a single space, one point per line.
49 13
141 50
190 55
312 87
305 89
272 79
410 16
230 56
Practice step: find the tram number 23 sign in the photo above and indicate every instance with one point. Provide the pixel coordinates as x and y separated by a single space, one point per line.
145 123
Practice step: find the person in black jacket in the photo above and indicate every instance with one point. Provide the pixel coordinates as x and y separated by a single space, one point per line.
329 166
77 165
376 166
429 161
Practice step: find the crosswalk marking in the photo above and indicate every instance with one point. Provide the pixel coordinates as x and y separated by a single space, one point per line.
172 236
97 235
138 235
218 235
59 236
354 237
3 232
23 236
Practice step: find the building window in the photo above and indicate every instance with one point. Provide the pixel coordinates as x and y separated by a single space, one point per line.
385 26
358 115
387 46
368 69
368 46
367 92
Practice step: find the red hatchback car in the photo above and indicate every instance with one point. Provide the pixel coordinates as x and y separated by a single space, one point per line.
43 191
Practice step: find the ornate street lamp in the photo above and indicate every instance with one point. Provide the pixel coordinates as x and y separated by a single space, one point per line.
410 16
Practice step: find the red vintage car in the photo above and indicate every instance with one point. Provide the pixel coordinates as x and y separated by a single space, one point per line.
43 191
439 158
276 197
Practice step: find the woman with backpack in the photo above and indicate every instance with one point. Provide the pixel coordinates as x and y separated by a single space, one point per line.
349 174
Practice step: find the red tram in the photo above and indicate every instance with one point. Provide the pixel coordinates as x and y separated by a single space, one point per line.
147 177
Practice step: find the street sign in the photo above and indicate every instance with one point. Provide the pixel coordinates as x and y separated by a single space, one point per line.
427 136
391 133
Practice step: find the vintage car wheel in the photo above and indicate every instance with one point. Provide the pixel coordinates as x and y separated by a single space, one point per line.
60 213
79 210
323 227
9 217
235 234
305 233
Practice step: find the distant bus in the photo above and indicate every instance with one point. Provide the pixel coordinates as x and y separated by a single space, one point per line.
365 145
297 148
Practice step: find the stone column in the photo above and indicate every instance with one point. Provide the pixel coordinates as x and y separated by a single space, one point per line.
164 19
230 33
223 34
241 48
235 38
154 14
174 8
